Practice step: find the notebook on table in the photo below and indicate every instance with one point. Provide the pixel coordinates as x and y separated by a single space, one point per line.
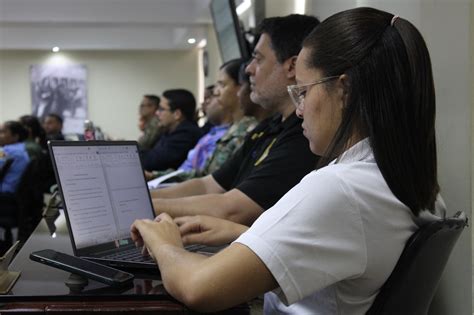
103 188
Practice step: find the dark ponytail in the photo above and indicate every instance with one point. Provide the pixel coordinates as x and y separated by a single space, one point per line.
391 97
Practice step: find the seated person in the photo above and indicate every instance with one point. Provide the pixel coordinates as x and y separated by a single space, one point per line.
37 149
224 107
53 127
36 141
234 138
12 137
208 91
179 131
220 120
224 104
275 154
151 132
365 92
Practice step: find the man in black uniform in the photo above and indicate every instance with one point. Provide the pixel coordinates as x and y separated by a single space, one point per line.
274 157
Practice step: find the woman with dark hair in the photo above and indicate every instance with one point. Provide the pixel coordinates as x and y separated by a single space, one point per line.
365 93
223 111
36 146
13 156
36 140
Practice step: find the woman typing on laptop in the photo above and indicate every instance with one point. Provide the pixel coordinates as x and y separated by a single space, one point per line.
365 93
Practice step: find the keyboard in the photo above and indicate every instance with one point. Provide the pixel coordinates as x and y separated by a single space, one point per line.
135 254
132 254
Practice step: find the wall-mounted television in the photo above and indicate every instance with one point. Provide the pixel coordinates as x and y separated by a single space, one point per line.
230 35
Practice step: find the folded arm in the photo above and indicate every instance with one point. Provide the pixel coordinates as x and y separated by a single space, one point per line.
232 205
193 187
209 199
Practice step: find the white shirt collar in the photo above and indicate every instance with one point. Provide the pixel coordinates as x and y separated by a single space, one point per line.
361 151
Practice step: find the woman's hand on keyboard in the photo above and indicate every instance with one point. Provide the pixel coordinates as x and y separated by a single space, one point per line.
207 230
153 234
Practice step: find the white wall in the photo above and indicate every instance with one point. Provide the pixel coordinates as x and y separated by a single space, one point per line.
472 131
279 7
116 82
445 26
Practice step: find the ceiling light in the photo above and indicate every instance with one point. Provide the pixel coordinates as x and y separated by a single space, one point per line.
202 43
300 6
192 41
55 49
244 6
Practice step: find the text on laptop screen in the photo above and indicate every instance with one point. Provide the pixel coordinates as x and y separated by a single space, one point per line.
104 191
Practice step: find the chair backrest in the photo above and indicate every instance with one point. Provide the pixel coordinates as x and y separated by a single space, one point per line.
22 209
29 200
413 282
4 169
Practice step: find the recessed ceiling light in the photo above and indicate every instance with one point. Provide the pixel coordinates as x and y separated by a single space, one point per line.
55 49
192 41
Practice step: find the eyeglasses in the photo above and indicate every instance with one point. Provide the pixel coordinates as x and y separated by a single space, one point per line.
298 92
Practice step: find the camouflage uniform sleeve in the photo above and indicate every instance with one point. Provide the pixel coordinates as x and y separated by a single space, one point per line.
229 144
150 134
225 148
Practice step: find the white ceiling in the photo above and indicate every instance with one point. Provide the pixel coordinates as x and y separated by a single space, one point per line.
102 24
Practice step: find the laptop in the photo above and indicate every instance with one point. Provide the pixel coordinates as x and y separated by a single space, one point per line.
103 188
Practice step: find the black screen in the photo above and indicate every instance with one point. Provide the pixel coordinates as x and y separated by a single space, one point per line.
228 31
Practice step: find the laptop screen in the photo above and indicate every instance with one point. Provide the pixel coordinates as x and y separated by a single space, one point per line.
104 191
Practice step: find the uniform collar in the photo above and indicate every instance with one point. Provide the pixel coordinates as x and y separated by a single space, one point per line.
361 151
218 128
276 124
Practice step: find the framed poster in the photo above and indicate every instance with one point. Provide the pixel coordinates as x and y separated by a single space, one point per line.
62 90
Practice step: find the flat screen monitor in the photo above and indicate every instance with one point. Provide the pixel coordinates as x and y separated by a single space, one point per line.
229 33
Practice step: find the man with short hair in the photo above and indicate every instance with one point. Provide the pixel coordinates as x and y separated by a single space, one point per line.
220 119
275 155
53 127
180 132
149 121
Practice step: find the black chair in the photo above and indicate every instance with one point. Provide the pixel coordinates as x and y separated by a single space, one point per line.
22 209
413 282
5 167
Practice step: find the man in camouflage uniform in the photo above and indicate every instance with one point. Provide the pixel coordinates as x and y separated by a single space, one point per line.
148 122
235 136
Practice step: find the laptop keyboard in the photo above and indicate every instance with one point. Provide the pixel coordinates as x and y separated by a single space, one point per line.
135 254
194 248
132 254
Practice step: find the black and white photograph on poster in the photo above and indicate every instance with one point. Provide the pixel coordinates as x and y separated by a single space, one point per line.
62 90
